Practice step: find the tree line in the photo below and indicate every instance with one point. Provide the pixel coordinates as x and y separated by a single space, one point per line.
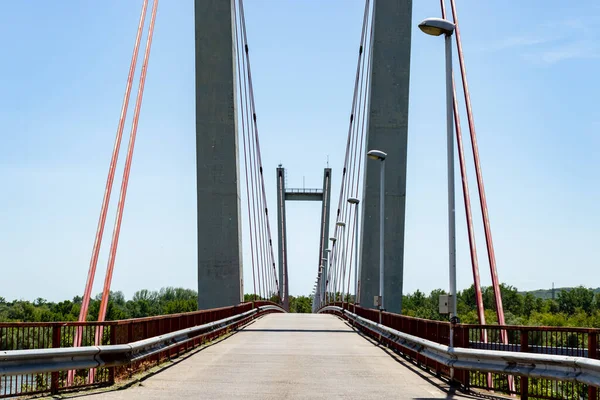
144 303
571 307
578 307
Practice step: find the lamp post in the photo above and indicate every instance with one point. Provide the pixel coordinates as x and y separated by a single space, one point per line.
380 155
331 266
342 264
318 288
325 274
355 201
323 278
437 27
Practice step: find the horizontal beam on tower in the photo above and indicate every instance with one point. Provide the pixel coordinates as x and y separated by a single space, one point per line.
304 194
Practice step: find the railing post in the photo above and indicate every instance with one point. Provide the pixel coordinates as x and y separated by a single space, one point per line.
524 349
592 353
458 332
466 343
181 325
130 367
145 329
113 341
438 370
55 344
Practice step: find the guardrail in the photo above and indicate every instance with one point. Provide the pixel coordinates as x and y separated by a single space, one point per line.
35 358
548 362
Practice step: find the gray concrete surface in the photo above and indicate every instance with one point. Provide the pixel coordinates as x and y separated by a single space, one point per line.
217 174
388 132
282 235
289 356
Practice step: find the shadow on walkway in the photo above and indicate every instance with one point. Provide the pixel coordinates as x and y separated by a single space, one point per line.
300 330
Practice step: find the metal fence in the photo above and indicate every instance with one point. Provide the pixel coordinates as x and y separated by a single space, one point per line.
576 342
29 336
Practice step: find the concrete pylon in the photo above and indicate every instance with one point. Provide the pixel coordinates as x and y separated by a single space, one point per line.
217 173
282 234
284 195
387 131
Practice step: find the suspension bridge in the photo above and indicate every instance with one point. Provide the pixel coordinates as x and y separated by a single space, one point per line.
357 343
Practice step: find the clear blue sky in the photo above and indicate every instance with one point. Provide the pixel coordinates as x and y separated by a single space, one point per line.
533 79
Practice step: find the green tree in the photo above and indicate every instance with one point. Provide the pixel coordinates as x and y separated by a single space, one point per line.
300 304
576 298
529 304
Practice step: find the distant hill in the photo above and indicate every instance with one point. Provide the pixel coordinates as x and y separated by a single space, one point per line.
547 293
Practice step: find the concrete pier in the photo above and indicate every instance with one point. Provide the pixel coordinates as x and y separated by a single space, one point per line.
388 132
217 175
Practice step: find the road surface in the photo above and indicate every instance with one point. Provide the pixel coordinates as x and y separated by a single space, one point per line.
289 356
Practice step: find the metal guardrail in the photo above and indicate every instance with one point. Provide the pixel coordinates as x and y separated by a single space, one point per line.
555 367
31 352
18 362
551 340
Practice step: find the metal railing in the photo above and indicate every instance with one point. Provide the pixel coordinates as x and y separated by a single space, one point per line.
294 190
35 357
547 362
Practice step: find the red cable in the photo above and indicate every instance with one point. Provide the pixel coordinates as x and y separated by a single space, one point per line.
482 199
124 183
469 216
467 201
107 191
109 182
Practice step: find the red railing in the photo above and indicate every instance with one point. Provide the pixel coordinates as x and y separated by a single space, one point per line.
579 342
41 335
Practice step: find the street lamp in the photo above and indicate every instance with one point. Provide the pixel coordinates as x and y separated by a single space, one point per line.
437 27
317 298
325 281
342 264
323 278
355 201
331 266
380 155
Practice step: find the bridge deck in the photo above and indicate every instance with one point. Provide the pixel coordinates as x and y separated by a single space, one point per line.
290 356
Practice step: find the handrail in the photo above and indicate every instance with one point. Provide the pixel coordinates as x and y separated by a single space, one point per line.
569 329
17 362
566 368
117 322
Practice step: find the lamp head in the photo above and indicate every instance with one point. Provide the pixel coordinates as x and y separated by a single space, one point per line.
437 26
376 155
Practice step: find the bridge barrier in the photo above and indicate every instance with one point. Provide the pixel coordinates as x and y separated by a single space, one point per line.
35 357
577 374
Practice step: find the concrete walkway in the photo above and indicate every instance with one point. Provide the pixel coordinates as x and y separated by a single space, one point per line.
289 356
